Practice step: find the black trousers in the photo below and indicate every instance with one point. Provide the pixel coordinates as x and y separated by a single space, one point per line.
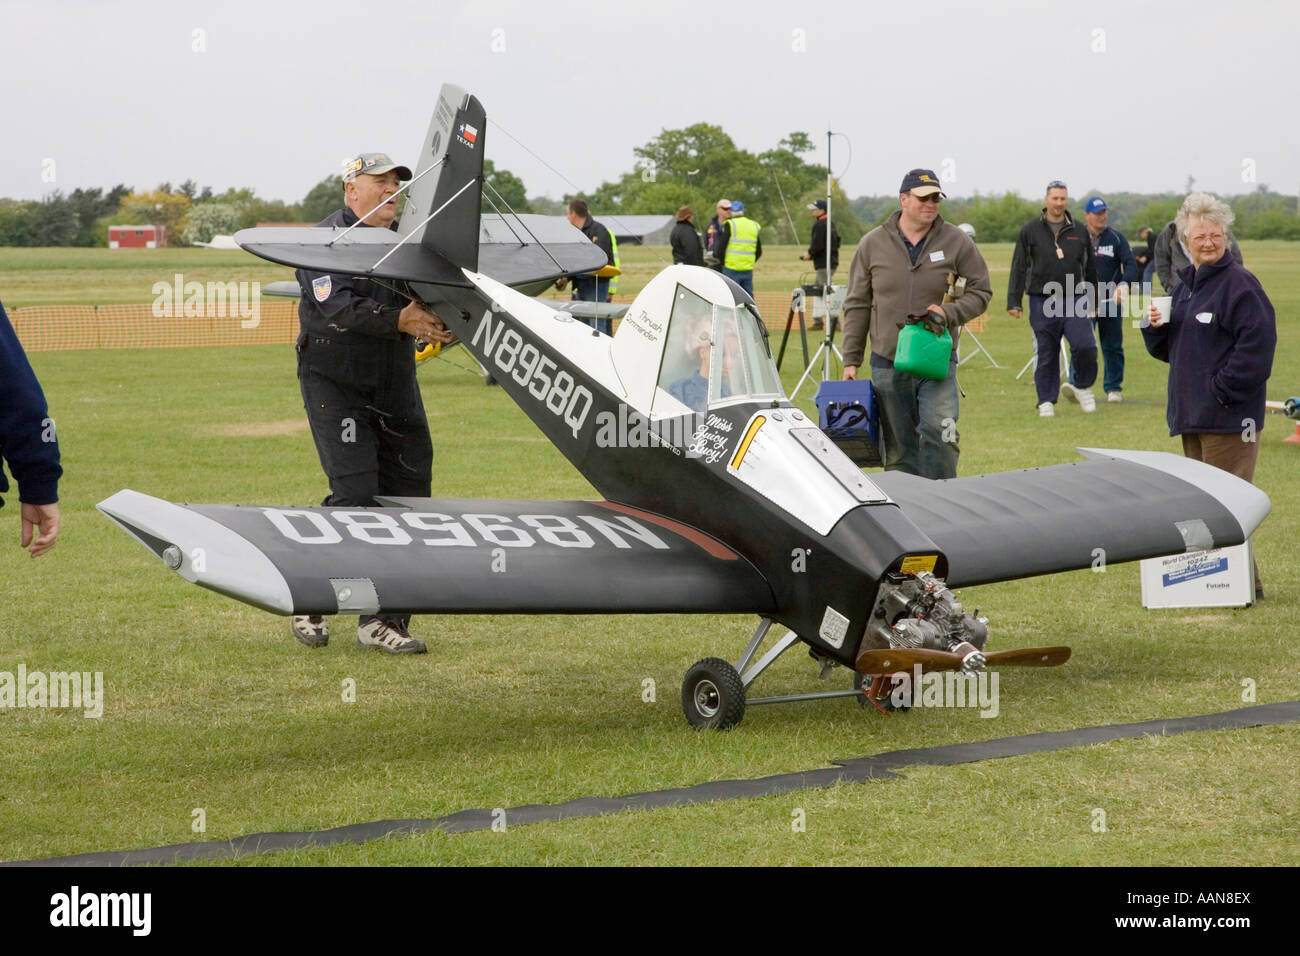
368 422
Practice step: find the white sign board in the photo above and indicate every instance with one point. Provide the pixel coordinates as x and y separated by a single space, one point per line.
1219 578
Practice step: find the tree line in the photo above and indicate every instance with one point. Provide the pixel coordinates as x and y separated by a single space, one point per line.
694 166
193 214
1262 214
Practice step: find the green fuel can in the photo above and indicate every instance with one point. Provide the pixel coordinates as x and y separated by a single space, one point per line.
922 353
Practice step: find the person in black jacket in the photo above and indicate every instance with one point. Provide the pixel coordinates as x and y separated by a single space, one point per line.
28 445
590 287
817 251
356 370
713 235
685 241
1054 262
1145 254
817 244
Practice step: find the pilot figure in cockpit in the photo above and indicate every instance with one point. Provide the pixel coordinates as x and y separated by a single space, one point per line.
693 390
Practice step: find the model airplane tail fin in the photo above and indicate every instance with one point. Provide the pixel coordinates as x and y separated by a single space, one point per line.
442 206
441 234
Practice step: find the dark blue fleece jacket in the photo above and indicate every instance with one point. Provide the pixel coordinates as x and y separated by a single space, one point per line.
27 442
1219 344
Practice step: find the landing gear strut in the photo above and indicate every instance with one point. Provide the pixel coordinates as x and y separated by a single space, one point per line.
713 693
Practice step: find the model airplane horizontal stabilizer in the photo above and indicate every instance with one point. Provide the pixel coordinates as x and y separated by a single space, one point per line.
550 248
583 310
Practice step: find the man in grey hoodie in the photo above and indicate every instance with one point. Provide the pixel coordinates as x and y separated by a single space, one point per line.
901 271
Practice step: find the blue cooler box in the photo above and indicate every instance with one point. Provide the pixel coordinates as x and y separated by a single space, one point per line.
847 413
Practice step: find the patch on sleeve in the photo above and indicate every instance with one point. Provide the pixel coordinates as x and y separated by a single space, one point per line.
321 287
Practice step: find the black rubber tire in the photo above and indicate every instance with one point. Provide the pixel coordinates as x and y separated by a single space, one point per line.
713 696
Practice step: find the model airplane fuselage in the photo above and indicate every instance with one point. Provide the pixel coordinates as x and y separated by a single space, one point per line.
719 494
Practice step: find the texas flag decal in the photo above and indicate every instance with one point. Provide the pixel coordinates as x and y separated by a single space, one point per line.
468 133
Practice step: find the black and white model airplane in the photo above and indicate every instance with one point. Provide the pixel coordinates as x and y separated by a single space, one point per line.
719 494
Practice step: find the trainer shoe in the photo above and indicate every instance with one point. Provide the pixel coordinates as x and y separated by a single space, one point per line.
311 629
1115 397
1070 392
1046 410
1087 402
389 637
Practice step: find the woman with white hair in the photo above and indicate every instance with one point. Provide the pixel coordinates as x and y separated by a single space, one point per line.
1219 341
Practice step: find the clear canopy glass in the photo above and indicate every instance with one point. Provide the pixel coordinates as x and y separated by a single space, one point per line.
716 354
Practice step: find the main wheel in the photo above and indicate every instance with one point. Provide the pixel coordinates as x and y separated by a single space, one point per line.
713 695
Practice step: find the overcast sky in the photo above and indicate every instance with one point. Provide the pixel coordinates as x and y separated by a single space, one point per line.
994 96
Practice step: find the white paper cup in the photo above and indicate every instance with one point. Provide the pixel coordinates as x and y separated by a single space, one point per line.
1162 305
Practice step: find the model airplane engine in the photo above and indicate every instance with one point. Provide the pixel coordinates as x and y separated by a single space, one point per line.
919 611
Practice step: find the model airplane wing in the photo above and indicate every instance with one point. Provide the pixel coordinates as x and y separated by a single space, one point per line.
445 555
1117 506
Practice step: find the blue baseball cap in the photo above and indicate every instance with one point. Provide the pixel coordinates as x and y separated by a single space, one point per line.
920 182
1095 204
737 206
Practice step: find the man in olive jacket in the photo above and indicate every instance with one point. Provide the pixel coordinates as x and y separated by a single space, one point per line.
901 270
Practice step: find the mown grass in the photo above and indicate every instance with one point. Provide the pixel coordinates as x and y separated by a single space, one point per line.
210 704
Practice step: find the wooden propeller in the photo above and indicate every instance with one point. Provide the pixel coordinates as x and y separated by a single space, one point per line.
897 659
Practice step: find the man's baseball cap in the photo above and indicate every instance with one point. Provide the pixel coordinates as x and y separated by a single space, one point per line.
737 206
373 164
921 182
818 204
1095 204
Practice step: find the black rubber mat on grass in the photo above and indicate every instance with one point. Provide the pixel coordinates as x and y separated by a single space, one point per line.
855 770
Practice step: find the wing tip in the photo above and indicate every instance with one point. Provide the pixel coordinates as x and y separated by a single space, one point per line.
226 562
1249 504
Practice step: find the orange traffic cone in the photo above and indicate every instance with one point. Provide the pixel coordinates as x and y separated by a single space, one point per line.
1293 439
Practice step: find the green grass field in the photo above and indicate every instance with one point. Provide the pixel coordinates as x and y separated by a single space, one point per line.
211 705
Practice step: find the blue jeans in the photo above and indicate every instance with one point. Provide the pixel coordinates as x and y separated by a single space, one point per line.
588 288
918 420
1110 331
1076 328
743 278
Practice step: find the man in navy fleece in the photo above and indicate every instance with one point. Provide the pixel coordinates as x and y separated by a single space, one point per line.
27 444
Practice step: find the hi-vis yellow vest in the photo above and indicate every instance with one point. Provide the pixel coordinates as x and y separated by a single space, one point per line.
613 281
742 247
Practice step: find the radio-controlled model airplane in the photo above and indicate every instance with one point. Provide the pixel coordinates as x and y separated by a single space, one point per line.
719 494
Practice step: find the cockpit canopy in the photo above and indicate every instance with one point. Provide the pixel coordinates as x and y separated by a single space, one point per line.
691 341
